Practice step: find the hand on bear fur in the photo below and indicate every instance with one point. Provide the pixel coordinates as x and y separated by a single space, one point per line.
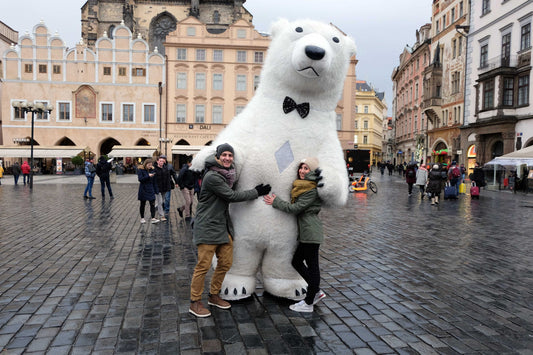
263 189
319 177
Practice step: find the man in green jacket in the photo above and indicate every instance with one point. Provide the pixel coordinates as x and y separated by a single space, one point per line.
213 229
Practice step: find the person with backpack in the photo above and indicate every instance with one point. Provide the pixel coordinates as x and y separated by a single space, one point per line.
454 176
90 172
103 168
410 176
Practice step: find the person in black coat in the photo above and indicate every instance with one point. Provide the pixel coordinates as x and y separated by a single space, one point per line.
147 188
162 176
103 168
436 181
478 176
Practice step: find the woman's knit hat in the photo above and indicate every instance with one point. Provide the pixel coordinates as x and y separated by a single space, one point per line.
224 147
312 163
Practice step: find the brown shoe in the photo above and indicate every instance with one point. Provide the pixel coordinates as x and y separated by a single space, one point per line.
215 300
198 309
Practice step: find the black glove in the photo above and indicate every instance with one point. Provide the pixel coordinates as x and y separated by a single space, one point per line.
263 189
319 177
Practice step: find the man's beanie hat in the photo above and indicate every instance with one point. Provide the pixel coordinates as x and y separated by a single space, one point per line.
225 147
312 163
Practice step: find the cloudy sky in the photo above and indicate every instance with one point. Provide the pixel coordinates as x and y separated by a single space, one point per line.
380 28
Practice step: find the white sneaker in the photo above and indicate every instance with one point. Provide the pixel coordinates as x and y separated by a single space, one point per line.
143 221
162 218
155 220
301 307
319 296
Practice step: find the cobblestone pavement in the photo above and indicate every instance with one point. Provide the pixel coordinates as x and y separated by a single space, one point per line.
401 277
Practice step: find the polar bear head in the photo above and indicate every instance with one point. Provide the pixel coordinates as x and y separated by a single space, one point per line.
307 60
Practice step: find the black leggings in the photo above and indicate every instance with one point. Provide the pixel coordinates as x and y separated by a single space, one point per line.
308 252
152 208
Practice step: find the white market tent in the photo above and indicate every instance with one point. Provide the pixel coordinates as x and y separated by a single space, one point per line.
40 151
516 158
138 151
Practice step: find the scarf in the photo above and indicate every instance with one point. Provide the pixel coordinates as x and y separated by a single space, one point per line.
228 174
301 186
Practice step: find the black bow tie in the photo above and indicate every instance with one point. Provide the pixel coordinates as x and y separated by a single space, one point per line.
289 105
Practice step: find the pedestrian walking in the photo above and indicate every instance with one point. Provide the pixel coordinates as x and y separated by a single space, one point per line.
421 180
454 176
390 167
103 169
26 170
90 173
305 204
410 176
16 172
173 183
436 181
1 173
162 177
186 182
213 230
147 189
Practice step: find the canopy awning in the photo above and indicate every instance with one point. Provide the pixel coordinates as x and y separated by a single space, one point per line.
187 149
519 157
40 151
138 151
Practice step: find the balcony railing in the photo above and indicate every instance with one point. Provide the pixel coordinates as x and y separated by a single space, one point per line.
508 61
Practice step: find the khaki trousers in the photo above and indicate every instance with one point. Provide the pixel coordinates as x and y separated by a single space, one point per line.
224 253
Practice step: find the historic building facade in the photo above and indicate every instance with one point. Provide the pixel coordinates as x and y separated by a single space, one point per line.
498 97
443 103
103 97
410 123
155 19
370 112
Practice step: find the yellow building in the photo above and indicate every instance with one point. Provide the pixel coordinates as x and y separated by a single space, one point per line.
370 111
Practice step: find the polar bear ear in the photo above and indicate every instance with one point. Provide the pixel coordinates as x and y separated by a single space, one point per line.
350 46
278 26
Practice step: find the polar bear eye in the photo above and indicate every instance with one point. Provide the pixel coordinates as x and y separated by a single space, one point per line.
299 29
336 39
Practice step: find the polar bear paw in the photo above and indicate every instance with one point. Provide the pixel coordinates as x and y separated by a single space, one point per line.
237 287
293 289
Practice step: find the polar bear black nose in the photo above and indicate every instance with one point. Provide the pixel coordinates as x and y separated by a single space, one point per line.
314 52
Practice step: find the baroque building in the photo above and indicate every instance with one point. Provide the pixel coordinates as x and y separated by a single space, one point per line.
155 19
498 97
370 112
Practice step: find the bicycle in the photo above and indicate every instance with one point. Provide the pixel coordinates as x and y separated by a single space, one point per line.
363 183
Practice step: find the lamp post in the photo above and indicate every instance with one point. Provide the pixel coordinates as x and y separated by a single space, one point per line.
33 107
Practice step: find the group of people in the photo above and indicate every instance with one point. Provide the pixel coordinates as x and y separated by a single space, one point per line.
17 170
102 170
432 181
213 231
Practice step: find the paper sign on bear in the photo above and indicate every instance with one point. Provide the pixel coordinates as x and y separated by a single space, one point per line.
291 116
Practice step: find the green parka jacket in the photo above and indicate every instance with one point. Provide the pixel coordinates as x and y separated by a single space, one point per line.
306 208
212 223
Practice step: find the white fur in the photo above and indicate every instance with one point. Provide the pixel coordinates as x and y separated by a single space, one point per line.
265 238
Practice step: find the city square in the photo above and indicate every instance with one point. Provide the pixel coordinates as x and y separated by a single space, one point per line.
401 277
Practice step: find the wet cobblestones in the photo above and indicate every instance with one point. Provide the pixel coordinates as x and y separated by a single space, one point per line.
401 277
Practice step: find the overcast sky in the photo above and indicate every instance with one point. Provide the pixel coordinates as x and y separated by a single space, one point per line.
380 28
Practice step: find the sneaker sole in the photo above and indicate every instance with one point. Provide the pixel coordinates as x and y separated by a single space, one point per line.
219 306
301 310
199 315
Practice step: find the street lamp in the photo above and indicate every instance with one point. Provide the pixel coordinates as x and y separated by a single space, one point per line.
33 107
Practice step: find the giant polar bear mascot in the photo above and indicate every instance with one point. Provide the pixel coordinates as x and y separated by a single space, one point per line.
306 62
